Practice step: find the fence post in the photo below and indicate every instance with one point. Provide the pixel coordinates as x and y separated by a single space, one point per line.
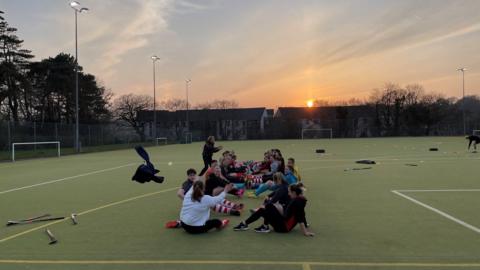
34 136
89 137
9 136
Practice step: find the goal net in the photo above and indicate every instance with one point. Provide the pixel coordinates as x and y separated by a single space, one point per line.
476 132
35 149
187 137
161 140
317 133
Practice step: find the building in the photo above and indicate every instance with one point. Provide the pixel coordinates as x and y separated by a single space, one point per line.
344 121
224 124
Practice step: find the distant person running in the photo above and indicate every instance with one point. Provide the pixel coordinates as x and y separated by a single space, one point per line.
207 154
473 139
195 213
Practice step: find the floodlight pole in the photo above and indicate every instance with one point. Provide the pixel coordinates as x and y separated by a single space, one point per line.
463 99
187 82
77 131
77 9
154 60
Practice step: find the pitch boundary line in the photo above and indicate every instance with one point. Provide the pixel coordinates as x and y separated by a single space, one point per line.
438 190
87 212
450 217
305 265
65 178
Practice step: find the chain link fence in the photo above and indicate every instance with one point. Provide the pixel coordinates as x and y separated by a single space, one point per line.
115 135
95 137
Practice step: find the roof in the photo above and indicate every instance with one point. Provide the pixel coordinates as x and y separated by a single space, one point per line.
328 112
248 114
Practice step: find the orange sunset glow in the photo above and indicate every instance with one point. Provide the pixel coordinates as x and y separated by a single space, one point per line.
259 52
310 103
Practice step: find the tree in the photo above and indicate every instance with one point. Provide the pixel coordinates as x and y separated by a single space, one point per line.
388 104
13 65
222 104
126 109
52 82
174 104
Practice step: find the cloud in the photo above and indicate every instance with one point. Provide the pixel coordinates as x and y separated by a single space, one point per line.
151 18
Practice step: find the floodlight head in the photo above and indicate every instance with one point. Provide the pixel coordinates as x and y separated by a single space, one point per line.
74 4
78 7
462 69
155 58
188 81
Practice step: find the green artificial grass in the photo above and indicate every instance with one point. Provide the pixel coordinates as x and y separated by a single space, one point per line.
359 222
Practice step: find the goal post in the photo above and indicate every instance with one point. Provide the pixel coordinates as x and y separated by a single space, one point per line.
57 143
476 132
188 137
164 139
317 133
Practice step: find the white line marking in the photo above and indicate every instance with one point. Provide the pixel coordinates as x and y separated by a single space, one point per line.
456 220
439 190
89 211
66 178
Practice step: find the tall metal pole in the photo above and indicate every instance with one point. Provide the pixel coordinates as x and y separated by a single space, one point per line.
463 104
154 60
154 103
77 133
186 88
77 9
463 100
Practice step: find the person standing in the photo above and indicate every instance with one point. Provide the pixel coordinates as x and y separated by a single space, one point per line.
207 154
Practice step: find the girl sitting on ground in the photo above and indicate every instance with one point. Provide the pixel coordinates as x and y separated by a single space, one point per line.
281 219
215 185
296 171
195 213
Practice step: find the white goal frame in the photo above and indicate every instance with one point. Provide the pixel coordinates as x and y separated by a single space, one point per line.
188 137
317 129
34 143
165 139
476 132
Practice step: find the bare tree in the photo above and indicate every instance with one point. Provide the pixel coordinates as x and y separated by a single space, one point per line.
389 103
174 104
126 108
218 104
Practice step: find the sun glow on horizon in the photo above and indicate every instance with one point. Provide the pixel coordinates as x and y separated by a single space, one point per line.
310 103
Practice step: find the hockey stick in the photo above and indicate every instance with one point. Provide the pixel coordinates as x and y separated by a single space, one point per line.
20 222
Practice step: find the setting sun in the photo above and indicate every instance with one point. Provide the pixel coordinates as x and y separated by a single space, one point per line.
310 103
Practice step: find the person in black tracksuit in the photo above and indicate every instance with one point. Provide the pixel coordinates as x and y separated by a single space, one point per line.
473 139
207 154
281 219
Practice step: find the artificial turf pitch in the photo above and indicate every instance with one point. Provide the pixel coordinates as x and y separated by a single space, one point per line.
360 223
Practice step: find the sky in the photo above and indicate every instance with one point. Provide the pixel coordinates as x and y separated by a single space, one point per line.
268 53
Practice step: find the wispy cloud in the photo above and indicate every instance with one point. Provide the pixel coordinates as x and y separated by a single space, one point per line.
151 18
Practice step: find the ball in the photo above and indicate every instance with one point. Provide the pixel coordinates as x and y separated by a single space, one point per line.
170 163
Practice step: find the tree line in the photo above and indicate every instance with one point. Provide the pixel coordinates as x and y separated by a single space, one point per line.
411 111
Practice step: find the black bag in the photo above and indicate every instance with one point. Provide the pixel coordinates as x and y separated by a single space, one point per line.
146 172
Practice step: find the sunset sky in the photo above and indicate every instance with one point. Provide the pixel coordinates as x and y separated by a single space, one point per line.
261 53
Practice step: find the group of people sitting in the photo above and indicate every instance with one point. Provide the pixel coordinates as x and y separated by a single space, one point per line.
282 209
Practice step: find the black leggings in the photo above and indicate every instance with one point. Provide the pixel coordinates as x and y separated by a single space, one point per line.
271 216
210 224
207 161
